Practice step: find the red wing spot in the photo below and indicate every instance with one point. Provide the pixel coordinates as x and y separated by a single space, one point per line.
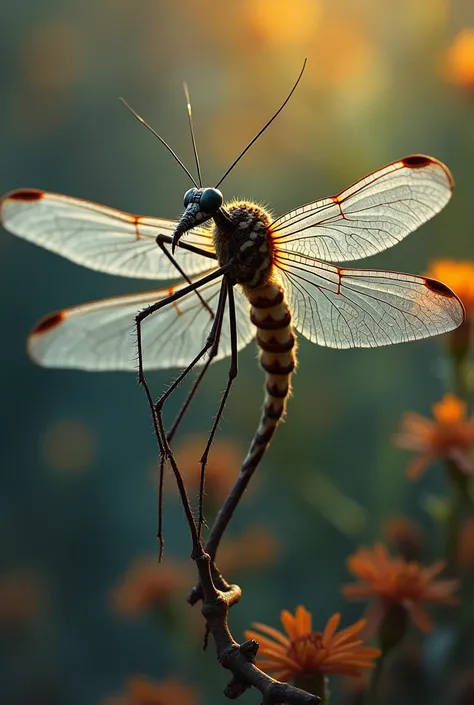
439 288
417 161
26 194
49 322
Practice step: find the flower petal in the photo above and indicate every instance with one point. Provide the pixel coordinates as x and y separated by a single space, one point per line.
434 570
289 624
265 643
349 632
462 459
303 621
358 591
283 659
331 627
277 635
418 465
420 617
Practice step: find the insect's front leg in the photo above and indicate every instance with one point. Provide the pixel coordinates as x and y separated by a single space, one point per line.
210 344
232 374
163 239
139 318
161 436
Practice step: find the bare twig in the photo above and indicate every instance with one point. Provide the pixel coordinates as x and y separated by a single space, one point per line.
239 659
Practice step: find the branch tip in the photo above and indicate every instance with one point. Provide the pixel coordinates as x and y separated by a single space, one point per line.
249 649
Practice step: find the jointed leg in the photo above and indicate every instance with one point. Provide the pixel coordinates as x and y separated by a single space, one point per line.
142 315
189 398
233 371
210 342
183 245
164 448
161 244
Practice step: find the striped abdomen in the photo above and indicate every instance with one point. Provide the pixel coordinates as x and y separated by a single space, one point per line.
272 317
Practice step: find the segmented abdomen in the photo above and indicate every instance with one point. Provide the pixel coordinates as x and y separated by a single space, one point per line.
270 314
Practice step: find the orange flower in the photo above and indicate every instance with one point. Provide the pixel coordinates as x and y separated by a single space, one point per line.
149 584
459 276
395 581
143 691
305 652
450 435
257 548
459 59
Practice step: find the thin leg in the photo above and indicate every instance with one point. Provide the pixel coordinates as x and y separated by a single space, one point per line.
142 315
214 335
212 343
159 533
233 371
160 241
161 245
144 383
189 399
160 435
182 244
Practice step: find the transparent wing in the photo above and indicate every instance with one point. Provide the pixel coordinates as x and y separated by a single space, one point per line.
98 237
101 335
358 308
371 215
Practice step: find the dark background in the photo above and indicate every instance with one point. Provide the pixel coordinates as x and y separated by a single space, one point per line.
78 498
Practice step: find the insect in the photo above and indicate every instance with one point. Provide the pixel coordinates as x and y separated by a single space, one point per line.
245 275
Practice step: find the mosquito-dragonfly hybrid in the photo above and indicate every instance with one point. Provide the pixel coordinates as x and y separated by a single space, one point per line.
245 275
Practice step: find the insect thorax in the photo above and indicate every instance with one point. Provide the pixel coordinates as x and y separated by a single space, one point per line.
244 233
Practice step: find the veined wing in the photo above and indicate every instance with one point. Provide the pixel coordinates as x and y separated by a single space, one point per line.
363 308
98 237
101 335
371 215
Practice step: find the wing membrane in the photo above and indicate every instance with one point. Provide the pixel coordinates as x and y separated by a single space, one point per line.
101 335
98 237
358 308
371 215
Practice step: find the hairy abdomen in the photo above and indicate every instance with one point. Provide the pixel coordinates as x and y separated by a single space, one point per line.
272 317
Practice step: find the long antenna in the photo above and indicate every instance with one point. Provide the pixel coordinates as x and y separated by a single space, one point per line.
264 127
191 128
165 144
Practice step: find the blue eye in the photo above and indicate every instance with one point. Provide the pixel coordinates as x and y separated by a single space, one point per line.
188 195
211 200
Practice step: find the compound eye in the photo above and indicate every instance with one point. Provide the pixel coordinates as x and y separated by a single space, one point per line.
188 196
211 200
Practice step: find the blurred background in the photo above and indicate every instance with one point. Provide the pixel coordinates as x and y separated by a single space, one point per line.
78 457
